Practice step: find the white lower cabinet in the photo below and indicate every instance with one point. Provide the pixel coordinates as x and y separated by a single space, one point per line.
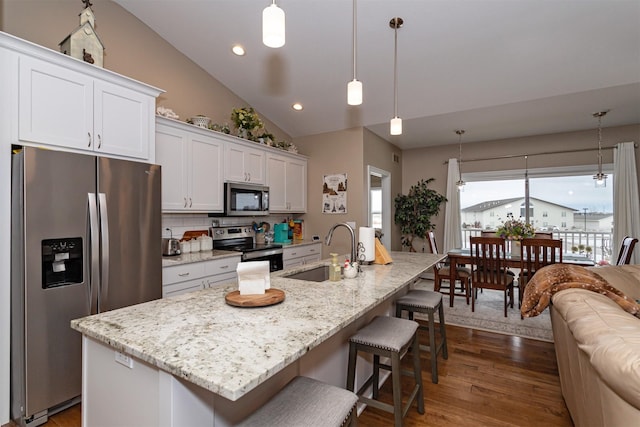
220 271
298 255
183 278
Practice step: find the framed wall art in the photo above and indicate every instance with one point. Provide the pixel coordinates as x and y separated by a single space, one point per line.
334 194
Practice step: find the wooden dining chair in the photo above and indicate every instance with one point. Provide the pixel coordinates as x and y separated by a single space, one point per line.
442 271
543 235
489 269
535 254
626 250
488 234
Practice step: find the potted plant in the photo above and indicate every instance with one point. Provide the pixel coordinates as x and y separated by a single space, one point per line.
247 122
515 230
414 211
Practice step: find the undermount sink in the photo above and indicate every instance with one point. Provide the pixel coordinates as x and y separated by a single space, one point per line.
317 274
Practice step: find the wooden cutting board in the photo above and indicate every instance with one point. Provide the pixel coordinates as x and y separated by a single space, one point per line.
194 234
270 297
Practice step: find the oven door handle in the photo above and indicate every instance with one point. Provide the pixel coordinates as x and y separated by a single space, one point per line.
261 254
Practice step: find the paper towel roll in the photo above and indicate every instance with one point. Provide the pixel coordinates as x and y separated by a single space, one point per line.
366 244
253 277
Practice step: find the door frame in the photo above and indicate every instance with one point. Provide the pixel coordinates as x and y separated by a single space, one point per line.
386 201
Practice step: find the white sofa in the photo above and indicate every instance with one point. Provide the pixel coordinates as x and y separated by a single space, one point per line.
598 351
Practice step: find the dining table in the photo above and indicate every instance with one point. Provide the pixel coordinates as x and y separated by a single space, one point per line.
462 256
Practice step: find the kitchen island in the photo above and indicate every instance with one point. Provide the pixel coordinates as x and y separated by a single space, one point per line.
194 360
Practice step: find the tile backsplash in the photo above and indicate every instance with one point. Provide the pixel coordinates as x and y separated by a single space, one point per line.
179 223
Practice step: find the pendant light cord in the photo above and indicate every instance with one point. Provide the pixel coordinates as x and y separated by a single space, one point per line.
355 38
395 68
600 144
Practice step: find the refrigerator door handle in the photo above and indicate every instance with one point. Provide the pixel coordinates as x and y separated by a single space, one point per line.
104 239
94 253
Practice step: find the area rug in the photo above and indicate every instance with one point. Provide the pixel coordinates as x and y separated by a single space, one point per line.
489 315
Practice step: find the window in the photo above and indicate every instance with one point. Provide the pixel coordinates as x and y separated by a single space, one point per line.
376 208
561 196
523 211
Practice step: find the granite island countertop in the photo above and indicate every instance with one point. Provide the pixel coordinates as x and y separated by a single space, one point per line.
229 350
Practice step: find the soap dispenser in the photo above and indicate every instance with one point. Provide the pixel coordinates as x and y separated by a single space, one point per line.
334 268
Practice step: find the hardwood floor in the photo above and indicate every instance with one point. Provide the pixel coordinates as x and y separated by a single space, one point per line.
489 380
67 418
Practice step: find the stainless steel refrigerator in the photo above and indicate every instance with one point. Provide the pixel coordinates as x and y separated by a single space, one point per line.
86 238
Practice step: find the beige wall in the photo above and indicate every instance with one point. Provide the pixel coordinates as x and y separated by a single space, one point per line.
427 163
378 152
131 49
331 153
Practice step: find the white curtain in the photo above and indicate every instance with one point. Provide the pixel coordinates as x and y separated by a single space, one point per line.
452 228
626 212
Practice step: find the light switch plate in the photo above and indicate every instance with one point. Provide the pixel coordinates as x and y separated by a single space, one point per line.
352 224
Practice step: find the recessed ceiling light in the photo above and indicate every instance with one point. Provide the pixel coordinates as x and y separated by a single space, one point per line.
297 106
238 50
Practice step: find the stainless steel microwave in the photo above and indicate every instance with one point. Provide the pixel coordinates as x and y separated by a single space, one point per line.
245 199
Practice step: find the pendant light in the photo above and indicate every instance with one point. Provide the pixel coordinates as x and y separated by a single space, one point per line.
354 87
600 178
273 26
395 126
460 183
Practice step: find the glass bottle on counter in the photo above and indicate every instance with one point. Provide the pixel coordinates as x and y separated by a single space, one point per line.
334 268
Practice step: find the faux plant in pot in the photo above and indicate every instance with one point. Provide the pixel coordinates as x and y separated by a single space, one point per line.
247 122
414 211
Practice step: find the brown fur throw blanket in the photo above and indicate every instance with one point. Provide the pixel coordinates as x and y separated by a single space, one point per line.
557 277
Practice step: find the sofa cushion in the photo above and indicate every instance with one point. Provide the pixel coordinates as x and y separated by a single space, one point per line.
609 336
625 278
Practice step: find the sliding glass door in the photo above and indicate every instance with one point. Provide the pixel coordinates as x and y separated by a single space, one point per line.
563 201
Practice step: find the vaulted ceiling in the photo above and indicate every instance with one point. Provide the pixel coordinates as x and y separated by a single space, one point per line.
496 68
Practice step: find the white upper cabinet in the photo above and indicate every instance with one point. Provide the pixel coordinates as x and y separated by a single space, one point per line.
62 107
192 169
287 181
63 102
244 164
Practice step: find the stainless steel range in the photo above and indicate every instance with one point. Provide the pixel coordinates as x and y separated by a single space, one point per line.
241 238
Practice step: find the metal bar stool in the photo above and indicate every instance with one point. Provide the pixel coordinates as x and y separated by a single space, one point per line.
307 402
427 302
387 337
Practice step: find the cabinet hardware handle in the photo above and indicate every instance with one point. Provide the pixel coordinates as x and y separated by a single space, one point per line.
224 266
249 176
99 141
185 202
190 202
89 135
294 253
183 274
